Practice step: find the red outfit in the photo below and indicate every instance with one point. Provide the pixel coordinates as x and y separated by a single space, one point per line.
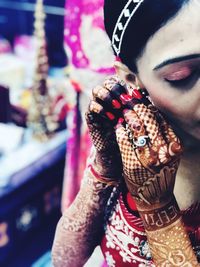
125 242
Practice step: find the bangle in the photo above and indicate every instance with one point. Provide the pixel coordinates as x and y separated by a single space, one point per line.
104 180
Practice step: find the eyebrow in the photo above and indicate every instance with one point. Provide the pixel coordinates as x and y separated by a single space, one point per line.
175 60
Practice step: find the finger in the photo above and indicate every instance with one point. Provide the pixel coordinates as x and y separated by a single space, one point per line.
134 172
163 140
113 101
134 123
159 145
175 145
148 117
173 141
119 91
99 91
110 82
95 107
127 95
93 115
146 100
126 149
99 109
100 127
104 97
164 126
145 152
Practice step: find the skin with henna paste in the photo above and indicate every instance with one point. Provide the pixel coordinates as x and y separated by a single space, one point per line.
150 169
149 172
100 125
81 224
170 246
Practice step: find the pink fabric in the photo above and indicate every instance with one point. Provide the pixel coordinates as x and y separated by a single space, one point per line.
86 45
78 146
104 264
78 14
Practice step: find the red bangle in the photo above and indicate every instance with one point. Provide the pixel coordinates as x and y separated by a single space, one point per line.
101 179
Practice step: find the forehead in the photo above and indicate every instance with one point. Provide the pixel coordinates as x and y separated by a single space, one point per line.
179 37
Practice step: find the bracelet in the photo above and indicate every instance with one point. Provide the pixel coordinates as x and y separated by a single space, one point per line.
104 180
160 217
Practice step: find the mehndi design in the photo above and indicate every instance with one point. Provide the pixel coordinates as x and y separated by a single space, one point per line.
170 246
101 128
150 168
82 224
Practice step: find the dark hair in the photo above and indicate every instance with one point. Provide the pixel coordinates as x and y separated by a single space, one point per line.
150 17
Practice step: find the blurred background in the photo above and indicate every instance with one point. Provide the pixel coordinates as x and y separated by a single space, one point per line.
52 53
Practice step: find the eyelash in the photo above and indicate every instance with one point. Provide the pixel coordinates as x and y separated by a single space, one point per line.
182 82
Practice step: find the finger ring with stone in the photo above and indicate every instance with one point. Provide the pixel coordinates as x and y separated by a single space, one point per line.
141 141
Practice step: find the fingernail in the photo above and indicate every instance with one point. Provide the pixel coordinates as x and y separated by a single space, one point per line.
116 104
110 116
136 94
120 121
126 110
125 98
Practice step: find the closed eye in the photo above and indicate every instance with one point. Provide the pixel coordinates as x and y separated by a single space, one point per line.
182 82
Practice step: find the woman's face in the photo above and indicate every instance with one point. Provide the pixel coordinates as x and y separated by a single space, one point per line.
169 69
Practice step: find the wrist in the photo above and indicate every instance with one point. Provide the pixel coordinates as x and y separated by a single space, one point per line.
160 215
108 164
107 181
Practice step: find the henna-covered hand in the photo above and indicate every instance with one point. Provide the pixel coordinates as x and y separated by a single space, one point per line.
101 121
150 153
150 149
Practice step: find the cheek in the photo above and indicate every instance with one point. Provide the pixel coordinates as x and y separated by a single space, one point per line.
170 102
175 104
162 97
163 102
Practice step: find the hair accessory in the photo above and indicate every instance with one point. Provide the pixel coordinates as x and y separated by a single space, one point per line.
122 23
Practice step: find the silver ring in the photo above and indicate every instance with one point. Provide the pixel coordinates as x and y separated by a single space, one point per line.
141 141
